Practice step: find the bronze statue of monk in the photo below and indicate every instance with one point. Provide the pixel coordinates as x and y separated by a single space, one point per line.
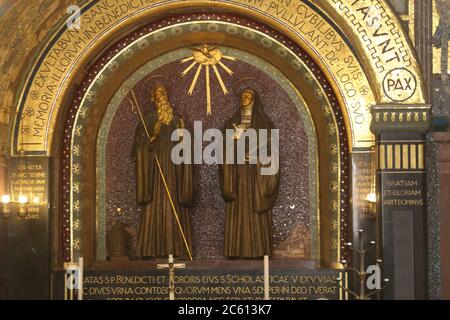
160 232
249 195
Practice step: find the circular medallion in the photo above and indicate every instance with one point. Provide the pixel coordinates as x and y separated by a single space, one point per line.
399 84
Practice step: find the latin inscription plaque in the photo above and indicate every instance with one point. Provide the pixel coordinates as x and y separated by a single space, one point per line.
211 285
29 228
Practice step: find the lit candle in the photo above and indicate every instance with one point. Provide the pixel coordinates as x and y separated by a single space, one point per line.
80 279
23 199
266 278
6 199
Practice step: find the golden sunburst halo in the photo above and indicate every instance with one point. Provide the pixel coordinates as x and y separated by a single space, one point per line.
208 57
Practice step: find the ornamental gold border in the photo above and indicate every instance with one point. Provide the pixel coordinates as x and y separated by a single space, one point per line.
383 45
49 90
87 104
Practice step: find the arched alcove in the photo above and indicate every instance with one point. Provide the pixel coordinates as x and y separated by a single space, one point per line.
299 73
337 63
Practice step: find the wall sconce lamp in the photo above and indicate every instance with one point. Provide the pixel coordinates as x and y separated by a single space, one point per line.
371 197
22 205
371 201
6 200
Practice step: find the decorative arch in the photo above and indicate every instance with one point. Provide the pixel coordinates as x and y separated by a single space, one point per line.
89 106
341 35
357 61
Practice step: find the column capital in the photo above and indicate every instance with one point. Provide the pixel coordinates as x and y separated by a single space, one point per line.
401 118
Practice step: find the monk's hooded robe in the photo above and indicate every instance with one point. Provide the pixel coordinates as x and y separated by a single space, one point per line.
159 233
249 197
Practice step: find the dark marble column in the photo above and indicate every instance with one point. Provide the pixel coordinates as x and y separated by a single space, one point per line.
28 238
442 140
364 215
400 132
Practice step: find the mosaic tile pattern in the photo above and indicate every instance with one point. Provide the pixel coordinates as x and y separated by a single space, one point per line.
433 224
292 206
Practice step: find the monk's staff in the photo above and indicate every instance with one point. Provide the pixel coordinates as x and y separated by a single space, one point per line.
166 187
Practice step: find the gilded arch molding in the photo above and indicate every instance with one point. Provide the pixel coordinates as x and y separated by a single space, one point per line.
87 107
336 33
383 45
